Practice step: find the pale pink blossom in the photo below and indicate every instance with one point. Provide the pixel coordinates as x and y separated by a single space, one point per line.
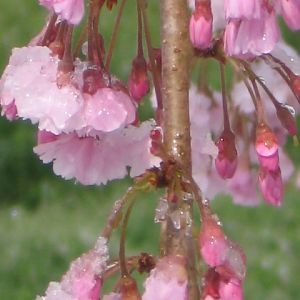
83 279
290 10
168 280
70 10
29 81
243 186
243 9
107 110
96 160
247 39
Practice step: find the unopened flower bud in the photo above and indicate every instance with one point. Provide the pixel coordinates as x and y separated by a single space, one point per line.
266 146
128 289
271 186
138 83
286 117
200 27
156 141
212 242
226 161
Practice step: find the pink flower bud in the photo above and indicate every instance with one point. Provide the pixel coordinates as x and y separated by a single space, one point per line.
213 243
271 186
242 9
201 25
286 117
266 146
128 289
138 83
226 161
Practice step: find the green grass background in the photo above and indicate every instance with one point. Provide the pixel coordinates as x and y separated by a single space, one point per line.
46 222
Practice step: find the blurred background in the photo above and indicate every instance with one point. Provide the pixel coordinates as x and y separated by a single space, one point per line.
45 222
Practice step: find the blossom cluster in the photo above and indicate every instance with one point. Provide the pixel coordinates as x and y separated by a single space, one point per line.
88 121
89 128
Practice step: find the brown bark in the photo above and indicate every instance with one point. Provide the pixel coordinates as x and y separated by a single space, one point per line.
176 53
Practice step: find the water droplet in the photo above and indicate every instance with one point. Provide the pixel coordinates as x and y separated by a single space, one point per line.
290 108
187 197
174 68
176 219
161 210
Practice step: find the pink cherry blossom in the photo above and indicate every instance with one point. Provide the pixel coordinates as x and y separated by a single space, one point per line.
168 280
83 279
70 10
242 187
108 110
246 39
96 160
290 10
29 81
242 9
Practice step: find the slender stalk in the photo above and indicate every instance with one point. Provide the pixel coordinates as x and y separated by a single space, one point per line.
224 98
122 256
115 215
154 71
140 51
50 26
114 35
176 52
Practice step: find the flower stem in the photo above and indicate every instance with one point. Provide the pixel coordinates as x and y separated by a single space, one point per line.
114 35
154 71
